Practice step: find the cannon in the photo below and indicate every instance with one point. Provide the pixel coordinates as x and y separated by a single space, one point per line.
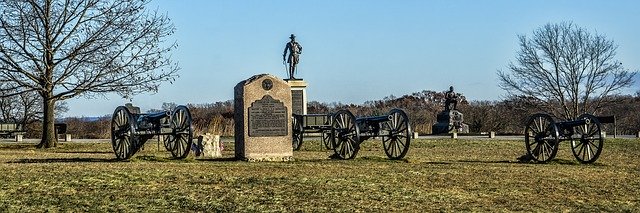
311 123
543 135
347 132
130 129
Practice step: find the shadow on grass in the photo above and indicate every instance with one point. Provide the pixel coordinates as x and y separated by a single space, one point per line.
65 160
574 162
492 161
552 162
227 159
334 158
153 158
381 159
83 152
437 163
17 146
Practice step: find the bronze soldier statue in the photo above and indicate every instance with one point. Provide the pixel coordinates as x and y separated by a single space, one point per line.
450 98
294 49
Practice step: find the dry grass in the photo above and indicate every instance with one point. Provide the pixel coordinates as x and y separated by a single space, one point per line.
437 175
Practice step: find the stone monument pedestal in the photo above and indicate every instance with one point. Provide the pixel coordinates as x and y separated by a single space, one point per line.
450 121
262 118
298 96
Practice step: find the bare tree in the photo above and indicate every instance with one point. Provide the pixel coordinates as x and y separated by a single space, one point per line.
567 69
23 108
61 49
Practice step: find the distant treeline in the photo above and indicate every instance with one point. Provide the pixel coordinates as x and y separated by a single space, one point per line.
504 117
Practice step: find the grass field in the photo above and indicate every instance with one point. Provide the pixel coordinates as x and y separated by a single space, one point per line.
436 175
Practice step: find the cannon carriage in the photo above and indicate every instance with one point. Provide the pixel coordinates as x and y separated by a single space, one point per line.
347 132
312 123
543 135
130 129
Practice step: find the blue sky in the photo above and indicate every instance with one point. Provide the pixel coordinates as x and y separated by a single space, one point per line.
356 50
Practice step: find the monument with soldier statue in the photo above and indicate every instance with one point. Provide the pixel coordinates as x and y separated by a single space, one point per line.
298 86
450 120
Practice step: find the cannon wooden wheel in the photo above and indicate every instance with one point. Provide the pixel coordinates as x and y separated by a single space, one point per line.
588 146
398 134
541 138
326 140
345 135
180 141
297 133
123 138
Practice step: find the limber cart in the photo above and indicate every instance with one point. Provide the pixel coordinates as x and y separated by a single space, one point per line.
347 132
130 130
311 123
543 135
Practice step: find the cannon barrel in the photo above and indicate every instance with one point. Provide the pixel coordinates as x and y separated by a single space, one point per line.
575 122
379 119
157 116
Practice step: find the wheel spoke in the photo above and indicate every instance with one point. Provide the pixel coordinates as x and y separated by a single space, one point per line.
584 151
396 121
545 150
393 148
593 129
404 125
345 148
181 119
402 130
538 124
351 148
589 150
399 148
536 149
576 144
177 119
123 118
184 118
179 147
401 144
579 152
534 131
118 120
185 146
123 145
593 144
549 147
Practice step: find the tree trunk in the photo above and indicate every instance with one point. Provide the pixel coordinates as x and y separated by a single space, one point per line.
49 137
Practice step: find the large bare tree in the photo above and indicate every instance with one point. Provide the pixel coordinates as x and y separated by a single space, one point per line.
566 70
61 49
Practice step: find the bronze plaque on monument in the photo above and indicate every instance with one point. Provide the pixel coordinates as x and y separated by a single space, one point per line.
297 102
267 117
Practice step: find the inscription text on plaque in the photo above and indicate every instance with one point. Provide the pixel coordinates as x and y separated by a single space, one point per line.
267 117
